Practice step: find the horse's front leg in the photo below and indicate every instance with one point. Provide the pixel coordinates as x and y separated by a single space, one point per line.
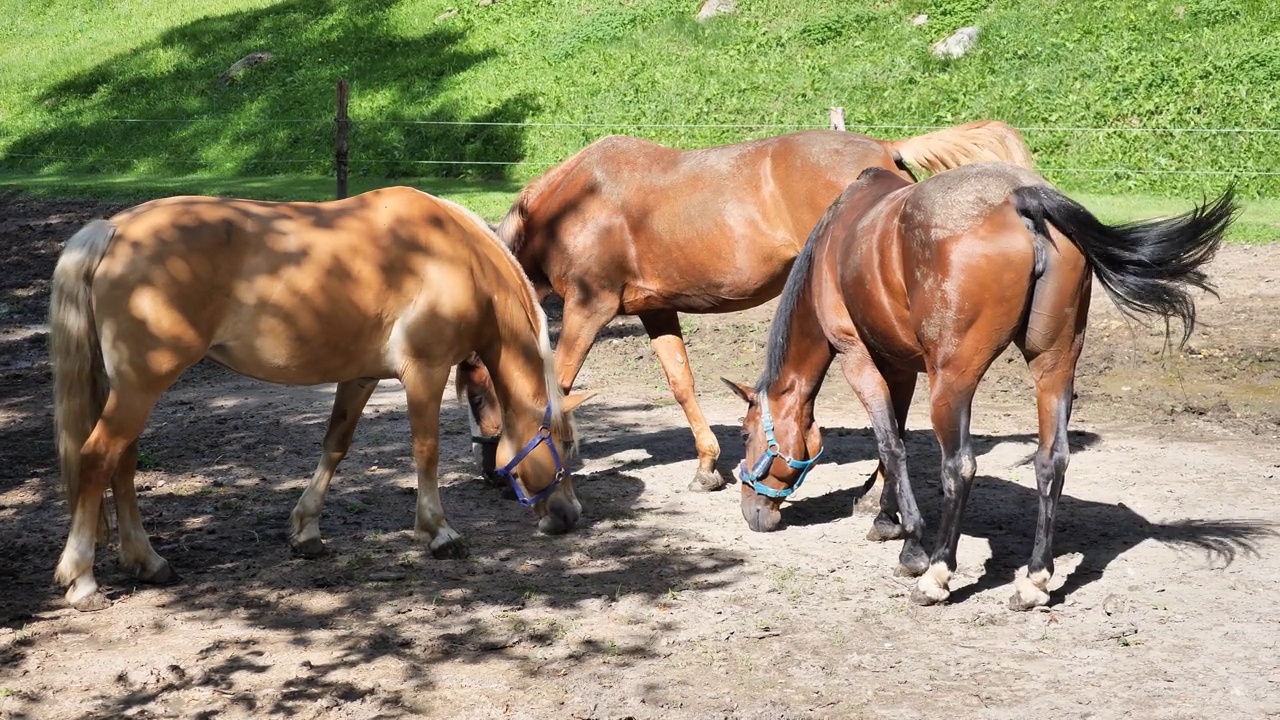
424 387
870 387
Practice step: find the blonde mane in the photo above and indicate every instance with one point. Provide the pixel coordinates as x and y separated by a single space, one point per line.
562 422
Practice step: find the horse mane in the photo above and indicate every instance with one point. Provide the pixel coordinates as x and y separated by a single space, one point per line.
978 141
511 230
562 422
797 280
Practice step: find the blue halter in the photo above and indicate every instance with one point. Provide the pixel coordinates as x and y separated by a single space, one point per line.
508 471
761 468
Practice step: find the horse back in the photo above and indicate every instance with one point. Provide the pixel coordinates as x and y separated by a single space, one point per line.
620 210
286 292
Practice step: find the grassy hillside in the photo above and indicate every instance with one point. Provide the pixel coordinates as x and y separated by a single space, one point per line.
549 76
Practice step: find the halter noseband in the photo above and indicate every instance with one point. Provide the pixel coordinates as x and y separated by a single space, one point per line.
508 471
761 468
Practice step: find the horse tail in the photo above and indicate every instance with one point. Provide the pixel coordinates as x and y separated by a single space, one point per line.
1146 267
511 230
979 141
79 376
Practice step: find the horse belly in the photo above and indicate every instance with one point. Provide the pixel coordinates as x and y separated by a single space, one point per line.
287 364
301 348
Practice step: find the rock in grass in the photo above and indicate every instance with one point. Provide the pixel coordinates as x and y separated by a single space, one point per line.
958 43
238 67
712 8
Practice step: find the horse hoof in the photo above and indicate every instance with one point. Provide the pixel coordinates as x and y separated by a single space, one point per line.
912 564
707 481
904 571
164 574
883 531
1026 596
310 548
932 595
92 602
454 549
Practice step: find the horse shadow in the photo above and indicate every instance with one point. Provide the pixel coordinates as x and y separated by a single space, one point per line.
1004 513
999 510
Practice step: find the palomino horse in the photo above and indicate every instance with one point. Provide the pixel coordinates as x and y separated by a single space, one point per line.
939 277
629 227
389 284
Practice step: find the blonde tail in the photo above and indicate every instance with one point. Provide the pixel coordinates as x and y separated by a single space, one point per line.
79 377
980 141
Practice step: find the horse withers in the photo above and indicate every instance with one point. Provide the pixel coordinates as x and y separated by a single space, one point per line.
393 283
939 278
631 227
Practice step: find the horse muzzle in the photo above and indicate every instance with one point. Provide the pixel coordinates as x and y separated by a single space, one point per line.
761 513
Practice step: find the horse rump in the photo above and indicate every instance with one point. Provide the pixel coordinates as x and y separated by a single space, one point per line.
1147 266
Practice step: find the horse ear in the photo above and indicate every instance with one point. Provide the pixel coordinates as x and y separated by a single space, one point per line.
742 391
573 400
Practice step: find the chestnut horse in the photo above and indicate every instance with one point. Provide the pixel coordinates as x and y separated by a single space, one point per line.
393 283
630 227
938 278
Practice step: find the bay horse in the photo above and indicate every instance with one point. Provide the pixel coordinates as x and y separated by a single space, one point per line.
940 277
631 227
393 283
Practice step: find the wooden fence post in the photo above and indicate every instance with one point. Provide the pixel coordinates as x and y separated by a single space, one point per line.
837 118
340 146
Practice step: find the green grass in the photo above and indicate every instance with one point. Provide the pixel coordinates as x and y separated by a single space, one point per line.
490 199
584 68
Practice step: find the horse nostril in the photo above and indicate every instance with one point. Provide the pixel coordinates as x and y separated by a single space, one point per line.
760 517
559 519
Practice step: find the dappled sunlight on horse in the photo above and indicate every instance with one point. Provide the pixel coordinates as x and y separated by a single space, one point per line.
631 227
393 283
939 277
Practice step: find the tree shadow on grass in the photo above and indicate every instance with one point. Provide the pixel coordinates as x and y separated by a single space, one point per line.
276 117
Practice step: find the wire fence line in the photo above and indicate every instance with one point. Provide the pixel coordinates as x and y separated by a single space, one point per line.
724 126
549 163
358 160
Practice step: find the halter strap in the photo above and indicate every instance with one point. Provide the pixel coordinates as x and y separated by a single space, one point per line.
758 471
508 471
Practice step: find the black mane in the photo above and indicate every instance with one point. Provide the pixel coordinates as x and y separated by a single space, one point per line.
780 329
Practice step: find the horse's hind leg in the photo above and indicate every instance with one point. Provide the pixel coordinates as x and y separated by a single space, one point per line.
122 420
423 387
664 332
304 521
137 557
1054 374
870 387
886 525
951 390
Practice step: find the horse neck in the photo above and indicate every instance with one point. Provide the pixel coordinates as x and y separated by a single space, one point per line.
518 368
804 365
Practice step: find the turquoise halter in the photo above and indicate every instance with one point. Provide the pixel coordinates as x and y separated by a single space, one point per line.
761 468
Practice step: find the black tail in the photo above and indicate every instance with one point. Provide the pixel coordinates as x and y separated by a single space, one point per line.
1146 267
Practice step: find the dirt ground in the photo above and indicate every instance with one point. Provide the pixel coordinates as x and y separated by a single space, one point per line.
663 604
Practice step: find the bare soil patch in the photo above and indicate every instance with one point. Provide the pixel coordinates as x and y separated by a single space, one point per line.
663 605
